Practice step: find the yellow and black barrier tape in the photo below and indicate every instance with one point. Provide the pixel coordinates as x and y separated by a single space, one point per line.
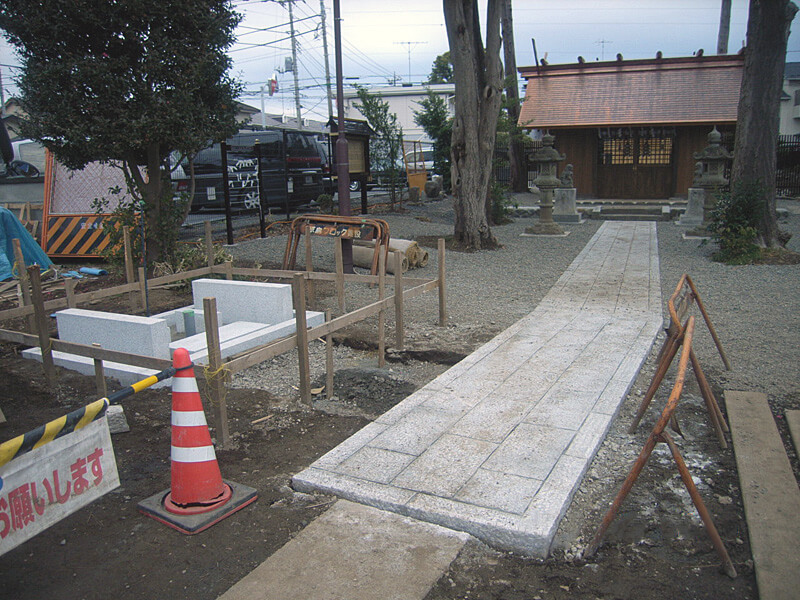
75 420
54 429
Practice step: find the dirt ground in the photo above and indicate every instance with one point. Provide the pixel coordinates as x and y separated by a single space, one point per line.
657 548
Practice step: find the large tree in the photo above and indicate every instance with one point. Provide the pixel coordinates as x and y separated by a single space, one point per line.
478 75
754 157
516 148
386 145
441 70
434 118
129 81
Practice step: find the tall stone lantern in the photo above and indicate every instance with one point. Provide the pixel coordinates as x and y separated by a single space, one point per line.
710 174
547 157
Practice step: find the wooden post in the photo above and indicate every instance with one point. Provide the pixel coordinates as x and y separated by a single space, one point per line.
229 270
129 273
209 245
442 289
24 282
42 327
339 274
382 312
69 289
99 376
215 379
398 300
312 292
328 360
299 294
142 286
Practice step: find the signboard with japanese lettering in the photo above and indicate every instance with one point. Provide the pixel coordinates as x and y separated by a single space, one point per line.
41 487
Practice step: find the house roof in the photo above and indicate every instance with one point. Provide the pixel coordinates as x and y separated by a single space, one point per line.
791 71
669 91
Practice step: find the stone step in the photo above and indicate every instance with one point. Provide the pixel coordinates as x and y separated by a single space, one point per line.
770 493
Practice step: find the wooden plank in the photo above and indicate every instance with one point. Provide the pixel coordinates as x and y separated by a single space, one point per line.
770 493
793 421
22 269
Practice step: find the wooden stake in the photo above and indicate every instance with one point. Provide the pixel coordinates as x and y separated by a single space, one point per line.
312 292
398 301
69 289
442 289
229 270
328 360
382 312
339 274
142 286
209 244
99 376
299 294
129 272
42 328
24 282
215 381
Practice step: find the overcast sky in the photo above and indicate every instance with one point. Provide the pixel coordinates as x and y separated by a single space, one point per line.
387 40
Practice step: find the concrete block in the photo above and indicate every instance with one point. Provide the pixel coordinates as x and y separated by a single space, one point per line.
499 491
530 451
147 336
375 464
246 301
446 466
694 209
174 319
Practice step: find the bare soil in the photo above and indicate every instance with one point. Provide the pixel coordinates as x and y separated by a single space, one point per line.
656 549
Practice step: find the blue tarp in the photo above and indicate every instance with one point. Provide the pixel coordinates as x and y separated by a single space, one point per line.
11 228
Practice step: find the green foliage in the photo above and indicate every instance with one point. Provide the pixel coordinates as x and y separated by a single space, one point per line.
127 212
327 205
499 205
435 120
127 81
188 257
734 223
442 69
386 145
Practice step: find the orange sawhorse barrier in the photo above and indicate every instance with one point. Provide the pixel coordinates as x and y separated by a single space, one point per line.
354 228
683 298
660 435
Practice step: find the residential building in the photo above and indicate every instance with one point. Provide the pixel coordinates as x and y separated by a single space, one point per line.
790 100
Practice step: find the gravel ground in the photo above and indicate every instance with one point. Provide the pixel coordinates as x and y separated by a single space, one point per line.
754 308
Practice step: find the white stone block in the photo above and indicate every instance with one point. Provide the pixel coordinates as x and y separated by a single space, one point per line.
147 336
245 300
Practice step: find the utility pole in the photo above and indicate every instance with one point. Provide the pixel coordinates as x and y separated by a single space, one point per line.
294 66
342 155
327 63
410 45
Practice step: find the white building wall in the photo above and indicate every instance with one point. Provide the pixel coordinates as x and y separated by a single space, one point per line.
403 101
790 108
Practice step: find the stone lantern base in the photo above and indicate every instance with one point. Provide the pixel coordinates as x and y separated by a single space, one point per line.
550 228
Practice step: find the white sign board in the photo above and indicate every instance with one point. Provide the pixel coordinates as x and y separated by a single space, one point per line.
41 487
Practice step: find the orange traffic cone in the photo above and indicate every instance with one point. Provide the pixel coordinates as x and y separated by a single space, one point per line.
199 497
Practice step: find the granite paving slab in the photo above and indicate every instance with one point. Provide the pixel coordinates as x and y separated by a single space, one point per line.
497 445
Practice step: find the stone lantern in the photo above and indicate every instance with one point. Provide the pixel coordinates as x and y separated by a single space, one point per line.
708 180
547 157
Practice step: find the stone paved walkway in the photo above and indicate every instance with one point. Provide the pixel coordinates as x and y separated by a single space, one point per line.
497 445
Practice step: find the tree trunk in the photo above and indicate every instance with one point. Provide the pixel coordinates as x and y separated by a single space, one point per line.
478 79
754 156
516 148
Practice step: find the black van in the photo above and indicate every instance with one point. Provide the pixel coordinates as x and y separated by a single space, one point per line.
290 163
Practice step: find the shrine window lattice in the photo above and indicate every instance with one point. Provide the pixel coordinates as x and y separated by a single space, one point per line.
635 147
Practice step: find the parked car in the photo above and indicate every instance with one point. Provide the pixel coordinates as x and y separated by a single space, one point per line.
417 161
291 171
